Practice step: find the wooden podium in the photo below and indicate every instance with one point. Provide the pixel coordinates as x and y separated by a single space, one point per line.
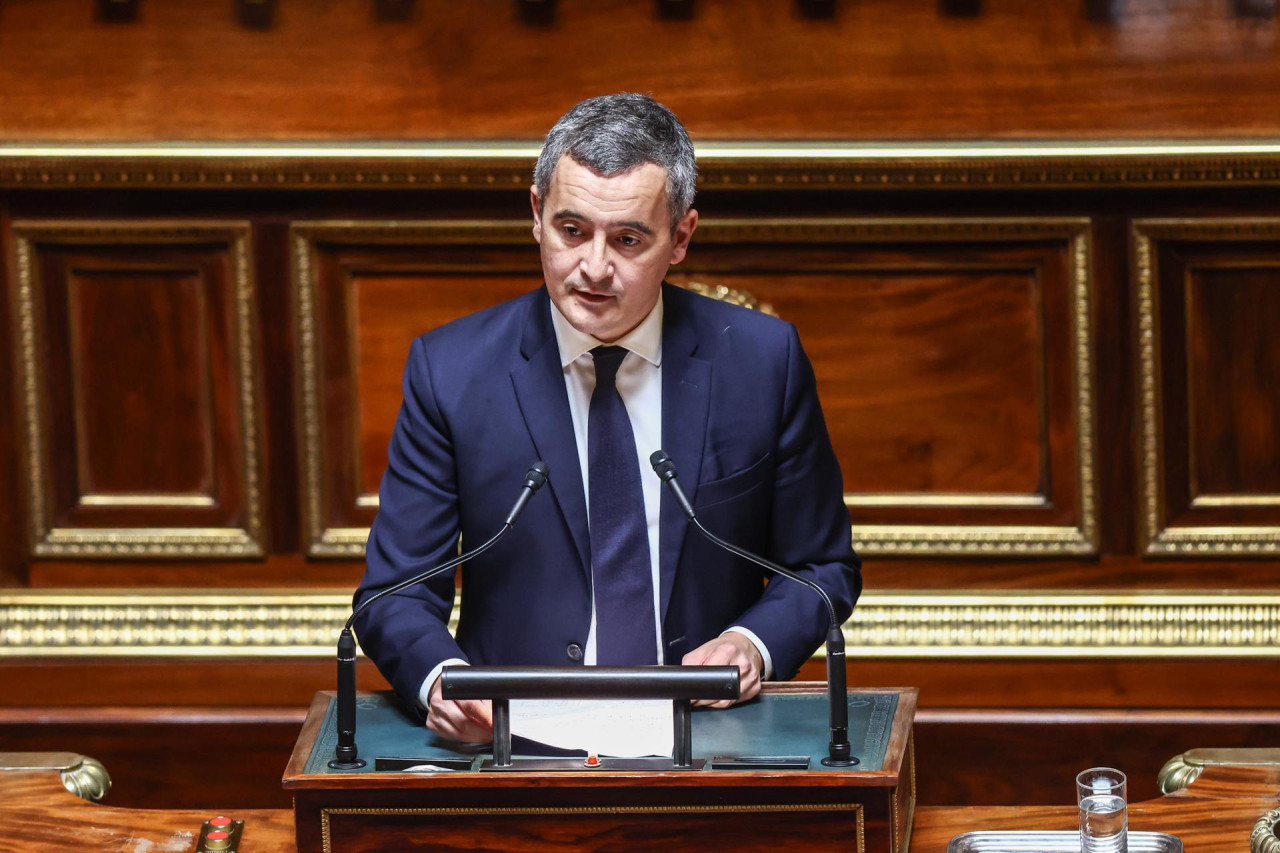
866 808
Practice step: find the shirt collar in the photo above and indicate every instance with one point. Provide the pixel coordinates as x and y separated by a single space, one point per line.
645 340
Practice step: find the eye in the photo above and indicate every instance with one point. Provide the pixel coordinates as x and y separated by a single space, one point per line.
571 230
629 240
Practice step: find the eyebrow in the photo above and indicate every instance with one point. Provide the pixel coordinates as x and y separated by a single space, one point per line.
634 224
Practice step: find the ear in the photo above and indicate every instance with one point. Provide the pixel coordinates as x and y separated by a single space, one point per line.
684 232
537 214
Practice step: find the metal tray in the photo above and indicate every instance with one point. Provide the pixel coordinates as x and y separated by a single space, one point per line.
1054 842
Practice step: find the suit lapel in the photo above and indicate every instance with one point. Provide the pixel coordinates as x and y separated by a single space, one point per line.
540 391
686 396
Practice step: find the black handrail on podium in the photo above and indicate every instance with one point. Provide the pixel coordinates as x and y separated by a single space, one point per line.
681 684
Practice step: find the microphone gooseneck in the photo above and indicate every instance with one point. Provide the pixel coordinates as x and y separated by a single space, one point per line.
346 755
839 752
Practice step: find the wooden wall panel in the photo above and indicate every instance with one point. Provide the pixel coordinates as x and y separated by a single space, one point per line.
1208 297
978 437
961 337
364 291
139 375
735 69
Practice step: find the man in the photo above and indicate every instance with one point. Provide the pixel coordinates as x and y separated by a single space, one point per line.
591 373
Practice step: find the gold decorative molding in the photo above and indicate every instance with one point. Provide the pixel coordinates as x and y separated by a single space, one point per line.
1182 770
85 777
253 623
855 809
51 541
1159 538
722 165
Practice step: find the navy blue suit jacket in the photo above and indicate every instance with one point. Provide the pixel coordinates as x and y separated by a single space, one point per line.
484 397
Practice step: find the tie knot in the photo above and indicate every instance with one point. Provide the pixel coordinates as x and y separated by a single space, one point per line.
607 361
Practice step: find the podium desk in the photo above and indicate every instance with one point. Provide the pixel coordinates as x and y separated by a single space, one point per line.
864 808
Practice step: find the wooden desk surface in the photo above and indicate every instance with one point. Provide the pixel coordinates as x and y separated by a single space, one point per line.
1215 814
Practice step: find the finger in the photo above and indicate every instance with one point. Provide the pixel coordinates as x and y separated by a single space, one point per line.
442 724
479 711
697 657
460 728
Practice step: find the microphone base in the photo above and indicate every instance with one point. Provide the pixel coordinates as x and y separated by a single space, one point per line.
840 753
353 764
840 762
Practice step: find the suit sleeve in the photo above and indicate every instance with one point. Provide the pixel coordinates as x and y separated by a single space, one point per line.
417 526
810 530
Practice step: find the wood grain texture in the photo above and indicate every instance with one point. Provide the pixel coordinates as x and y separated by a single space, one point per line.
756 69
143 368
1214 285
979 411
40 815
376 288
1213 815
1233 371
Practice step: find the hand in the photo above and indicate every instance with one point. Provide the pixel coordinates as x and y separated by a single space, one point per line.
463 720
730 649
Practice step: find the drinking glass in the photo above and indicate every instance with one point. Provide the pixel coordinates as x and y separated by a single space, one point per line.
1102 794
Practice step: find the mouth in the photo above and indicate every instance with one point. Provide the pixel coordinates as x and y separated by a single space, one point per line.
591 298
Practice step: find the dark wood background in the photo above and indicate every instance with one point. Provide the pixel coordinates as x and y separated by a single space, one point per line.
941 322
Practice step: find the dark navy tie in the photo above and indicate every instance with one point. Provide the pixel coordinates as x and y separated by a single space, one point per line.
620 570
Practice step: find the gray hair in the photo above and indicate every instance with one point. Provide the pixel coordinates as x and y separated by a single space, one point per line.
613 134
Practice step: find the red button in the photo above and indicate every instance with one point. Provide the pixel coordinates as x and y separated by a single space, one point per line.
593 761
217 835
220 821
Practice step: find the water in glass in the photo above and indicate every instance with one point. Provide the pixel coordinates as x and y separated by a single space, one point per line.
1103 822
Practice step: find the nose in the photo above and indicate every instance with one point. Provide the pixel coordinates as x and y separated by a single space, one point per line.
595 263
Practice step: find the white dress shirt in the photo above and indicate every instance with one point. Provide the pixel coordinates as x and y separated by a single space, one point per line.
639 383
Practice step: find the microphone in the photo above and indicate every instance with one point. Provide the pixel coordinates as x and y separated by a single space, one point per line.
839 752
346 755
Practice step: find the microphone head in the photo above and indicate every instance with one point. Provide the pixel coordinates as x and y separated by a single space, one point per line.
662 465
536 477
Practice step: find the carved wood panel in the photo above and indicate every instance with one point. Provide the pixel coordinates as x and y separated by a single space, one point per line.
975 438
953 360
139 386
1208 297
364 291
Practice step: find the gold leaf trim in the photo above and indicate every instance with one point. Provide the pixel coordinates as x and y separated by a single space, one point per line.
1158 538
252 623
759 166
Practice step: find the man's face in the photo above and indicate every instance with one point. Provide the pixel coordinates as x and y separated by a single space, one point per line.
606 245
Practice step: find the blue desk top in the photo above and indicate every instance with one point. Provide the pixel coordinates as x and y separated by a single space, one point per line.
772 724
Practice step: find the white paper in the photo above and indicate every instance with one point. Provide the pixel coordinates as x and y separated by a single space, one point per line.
623 728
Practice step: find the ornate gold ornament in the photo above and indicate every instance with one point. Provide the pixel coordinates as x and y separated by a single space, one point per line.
1182 770
85 777
1265 837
